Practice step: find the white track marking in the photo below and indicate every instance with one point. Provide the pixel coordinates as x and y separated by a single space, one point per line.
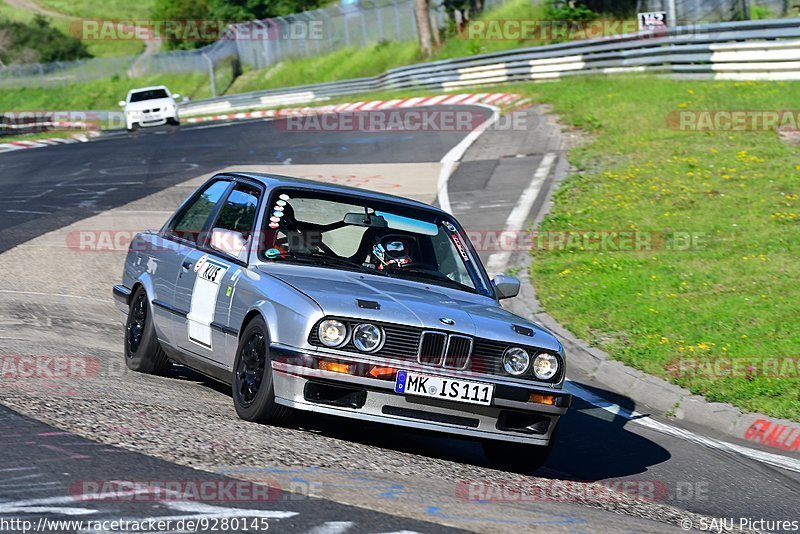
332 527
43 294
497 262
641 419
221 511
29 212
456 153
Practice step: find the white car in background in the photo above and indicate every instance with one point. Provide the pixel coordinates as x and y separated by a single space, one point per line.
150 106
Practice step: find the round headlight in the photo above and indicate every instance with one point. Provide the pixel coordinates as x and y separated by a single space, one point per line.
332 333
367 337
516 361
545 366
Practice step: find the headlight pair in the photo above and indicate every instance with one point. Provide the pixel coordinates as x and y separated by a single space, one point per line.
517 361
367 337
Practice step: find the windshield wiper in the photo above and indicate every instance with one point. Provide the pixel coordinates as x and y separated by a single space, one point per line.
435 276
329 261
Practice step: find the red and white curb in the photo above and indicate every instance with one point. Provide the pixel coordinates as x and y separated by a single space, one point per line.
50 141
494 99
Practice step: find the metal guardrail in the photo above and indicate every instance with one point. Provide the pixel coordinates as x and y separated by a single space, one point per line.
750 50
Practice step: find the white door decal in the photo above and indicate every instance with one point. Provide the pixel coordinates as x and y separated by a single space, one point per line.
204 302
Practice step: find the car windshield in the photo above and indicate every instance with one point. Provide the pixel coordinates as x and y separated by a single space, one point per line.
150 94
364 235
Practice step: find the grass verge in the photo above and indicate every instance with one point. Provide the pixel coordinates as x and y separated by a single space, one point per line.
99 94
376 59
96 47
732 295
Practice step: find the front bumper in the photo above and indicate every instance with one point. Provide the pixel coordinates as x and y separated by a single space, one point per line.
508 418
122 298
151 119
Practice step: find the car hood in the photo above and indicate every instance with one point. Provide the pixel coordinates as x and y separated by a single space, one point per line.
149 104
338 293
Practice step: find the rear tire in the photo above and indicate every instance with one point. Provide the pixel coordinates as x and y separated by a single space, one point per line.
143 353
253 388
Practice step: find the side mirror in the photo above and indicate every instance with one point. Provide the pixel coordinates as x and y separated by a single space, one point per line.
229 242
121 103
185 99
176 96
506 286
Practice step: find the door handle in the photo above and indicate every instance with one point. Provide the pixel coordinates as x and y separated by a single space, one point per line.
187 265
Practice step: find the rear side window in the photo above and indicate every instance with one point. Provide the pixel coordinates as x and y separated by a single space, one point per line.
240 210
189 225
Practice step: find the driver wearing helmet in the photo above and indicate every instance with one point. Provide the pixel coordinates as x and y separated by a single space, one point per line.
393 252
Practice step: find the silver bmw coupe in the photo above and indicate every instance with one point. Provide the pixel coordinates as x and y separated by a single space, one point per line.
308 296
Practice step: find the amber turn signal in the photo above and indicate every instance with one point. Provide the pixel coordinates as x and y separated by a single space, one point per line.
542 399
334 367
380 372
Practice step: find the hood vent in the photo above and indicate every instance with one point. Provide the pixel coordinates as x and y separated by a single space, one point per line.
525 331
368 304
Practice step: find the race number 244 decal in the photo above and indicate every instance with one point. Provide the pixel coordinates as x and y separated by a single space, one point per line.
204 301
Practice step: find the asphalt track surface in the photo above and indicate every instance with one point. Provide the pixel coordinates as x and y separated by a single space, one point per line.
45 189
38 462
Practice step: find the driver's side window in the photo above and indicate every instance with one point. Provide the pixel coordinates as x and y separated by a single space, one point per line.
192 221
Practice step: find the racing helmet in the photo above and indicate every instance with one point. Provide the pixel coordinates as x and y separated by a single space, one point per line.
394 251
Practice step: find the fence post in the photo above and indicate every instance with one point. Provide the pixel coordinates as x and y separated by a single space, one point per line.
671 14
396 20
265 45
328 29
362 19
379 20
211 76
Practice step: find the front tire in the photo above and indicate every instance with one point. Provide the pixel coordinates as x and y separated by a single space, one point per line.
253 388
143 353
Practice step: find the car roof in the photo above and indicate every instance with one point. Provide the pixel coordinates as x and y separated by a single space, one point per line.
276 180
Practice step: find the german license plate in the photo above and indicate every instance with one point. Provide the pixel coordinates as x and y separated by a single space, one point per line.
437 387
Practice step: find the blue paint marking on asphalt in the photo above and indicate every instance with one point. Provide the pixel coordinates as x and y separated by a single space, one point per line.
395 491
435 511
